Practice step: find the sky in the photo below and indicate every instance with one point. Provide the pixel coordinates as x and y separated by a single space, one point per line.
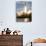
21 4
37 28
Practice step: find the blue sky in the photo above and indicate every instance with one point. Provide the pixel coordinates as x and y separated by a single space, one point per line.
20 5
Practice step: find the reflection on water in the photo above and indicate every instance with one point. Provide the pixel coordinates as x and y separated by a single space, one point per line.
23 20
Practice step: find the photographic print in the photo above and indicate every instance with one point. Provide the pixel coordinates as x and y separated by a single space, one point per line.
23 11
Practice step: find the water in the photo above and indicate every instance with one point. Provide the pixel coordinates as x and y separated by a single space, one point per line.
22 20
